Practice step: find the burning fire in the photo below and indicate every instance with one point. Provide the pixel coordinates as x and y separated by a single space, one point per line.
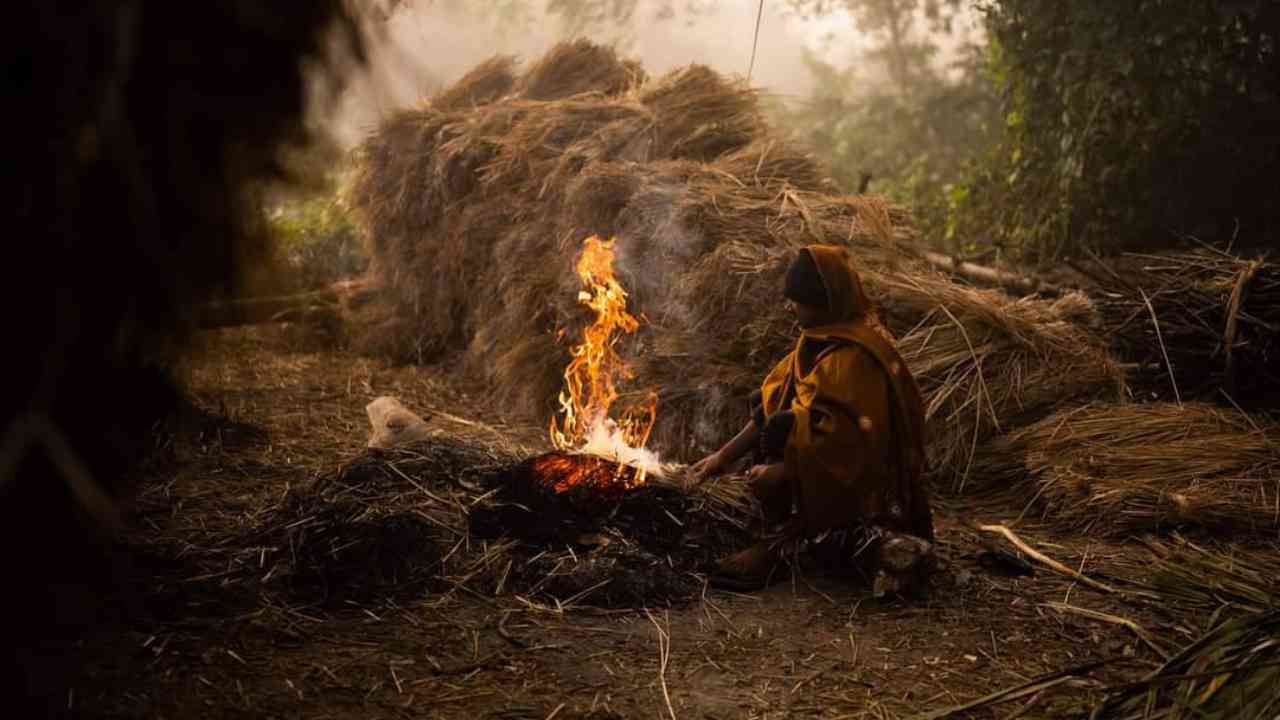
602 479
584 424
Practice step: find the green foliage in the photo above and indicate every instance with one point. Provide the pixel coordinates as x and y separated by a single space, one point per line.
315 242
899 117
1129 123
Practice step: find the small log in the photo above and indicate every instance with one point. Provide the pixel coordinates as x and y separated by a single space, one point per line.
316 306
981 274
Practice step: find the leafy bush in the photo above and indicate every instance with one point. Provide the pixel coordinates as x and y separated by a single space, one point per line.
914 141
904 118
316 243
1129 124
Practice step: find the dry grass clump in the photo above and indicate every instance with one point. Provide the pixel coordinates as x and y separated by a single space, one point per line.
1206 581
1125 468
579 66
550 143
987 362
774 163
486 82
701 115
1197 324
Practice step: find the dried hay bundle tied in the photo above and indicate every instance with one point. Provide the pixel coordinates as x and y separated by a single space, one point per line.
486 82
1197 323
1125 468
579 66
476 219
987 362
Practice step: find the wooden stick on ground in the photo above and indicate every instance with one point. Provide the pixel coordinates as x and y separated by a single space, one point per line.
664 654
1134 627
1031 687
1160 338
1046 560
981 274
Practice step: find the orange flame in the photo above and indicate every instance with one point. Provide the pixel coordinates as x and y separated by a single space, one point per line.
564 472
592 377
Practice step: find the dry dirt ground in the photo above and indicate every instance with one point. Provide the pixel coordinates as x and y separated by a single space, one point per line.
280 410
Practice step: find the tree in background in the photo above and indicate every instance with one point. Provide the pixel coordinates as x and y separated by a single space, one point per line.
582 17
898 114
1129 124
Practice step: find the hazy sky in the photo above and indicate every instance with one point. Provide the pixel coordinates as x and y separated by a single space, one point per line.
427 43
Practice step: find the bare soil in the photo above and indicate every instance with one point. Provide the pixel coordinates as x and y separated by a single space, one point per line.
276 409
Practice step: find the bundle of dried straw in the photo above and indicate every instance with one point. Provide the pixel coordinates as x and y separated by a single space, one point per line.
1197 324
1123 468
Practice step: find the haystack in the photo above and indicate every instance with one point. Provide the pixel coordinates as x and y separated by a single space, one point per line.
1125 468
476 216
1200 324
486 82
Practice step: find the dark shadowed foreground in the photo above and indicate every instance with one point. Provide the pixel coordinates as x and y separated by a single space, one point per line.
144 129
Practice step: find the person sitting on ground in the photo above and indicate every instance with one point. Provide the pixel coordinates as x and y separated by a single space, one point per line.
837 434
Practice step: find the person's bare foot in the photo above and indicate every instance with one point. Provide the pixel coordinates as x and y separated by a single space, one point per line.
751 569
905 565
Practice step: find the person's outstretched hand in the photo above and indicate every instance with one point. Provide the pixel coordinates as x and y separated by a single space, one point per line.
707 468
765 480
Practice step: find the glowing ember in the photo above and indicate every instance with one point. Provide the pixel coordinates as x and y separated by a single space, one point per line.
591 380
602 478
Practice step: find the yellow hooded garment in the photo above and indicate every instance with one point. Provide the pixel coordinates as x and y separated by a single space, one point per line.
856 450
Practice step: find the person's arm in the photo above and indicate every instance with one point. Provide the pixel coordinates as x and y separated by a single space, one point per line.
716 462
768 480
741 444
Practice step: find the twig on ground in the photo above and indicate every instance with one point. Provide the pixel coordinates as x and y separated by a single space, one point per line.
1031 687
1163 350
1137 629
664 654
1046 560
